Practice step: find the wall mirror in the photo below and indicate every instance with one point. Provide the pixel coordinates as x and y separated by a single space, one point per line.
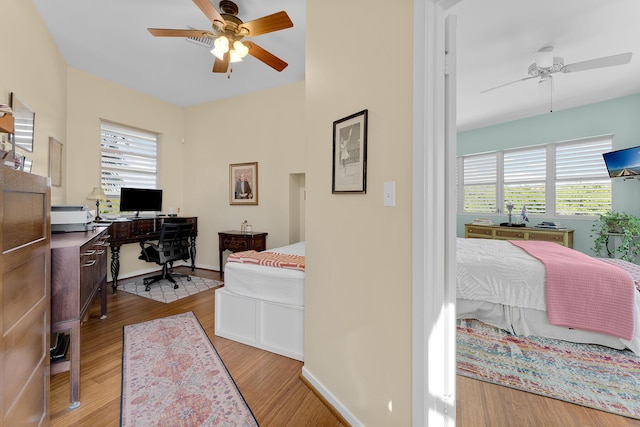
24 124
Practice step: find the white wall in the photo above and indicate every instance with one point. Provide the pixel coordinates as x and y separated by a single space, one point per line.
358 283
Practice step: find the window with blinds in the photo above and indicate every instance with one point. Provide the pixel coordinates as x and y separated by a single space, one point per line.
129 158
525 174
583 186
562 179
480 183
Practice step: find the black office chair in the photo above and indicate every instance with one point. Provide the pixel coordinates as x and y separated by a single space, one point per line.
173 245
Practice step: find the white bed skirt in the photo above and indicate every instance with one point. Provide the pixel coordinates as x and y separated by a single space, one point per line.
268 325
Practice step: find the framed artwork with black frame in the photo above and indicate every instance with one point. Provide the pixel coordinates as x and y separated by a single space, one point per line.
350 154
243 183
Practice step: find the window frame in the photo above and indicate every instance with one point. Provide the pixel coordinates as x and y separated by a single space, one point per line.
550 182
140 148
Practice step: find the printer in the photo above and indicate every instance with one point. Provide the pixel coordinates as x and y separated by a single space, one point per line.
70 218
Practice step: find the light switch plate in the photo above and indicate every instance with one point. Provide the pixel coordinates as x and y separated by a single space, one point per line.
390 193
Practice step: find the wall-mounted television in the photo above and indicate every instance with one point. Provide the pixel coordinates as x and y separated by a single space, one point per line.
140 200
623 163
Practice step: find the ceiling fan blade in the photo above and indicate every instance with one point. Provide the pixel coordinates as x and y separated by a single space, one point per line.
265 56
166 32
268 24
209 11
606 61
507 84
221 65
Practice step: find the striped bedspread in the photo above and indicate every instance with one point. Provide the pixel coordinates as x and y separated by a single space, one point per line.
269 259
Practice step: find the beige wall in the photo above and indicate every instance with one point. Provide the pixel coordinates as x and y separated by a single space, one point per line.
358 316
91 99
358 285
32 68
265 127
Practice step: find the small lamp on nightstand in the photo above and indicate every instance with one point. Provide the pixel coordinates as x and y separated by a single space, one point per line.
97 194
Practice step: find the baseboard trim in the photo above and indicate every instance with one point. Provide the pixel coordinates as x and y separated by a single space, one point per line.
329 400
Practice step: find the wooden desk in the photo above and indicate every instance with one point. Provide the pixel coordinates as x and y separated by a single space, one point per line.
563 237
78 273
138 230
238 241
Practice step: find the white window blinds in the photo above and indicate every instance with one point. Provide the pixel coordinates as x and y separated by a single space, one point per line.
480 183
583 186
560 179
129 158
525 174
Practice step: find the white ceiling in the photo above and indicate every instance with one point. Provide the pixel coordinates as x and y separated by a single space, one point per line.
496 39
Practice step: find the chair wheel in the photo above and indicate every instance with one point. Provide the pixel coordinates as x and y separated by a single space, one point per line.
175 286
146 288
188 278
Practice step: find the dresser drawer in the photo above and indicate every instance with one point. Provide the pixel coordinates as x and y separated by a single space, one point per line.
477 231
510 234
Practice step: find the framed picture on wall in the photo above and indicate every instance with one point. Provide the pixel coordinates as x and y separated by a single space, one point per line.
243 183
55 162
350 154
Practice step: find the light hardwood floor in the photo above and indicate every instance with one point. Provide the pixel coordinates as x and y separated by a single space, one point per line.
270 383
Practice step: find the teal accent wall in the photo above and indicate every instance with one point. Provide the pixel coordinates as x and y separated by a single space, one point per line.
619 117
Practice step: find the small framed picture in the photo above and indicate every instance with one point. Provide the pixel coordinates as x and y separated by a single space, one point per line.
243 183
350 154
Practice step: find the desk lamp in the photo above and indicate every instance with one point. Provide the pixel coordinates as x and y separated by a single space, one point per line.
97 194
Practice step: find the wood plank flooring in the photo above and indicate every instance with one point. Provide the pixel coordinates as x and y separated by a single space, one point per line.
270 383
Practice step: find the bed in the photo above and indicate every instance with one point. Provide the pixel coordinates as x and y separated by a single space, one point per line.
263 305
503 285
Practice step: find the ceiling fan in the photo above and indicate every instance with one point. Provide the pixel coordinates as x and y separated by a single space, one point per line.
229 30
546 65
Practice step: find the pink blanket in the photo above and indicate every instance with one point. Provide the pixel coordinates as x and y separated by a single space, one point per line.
583 292
270 259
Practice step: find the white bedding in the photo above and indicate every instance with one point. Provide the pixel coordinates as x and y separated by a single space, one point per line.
282 285
502 285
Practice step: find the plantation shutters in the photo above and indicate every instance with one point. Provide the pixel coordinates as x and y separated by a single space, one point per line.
480 183
525 174
129 158
583 186
561 179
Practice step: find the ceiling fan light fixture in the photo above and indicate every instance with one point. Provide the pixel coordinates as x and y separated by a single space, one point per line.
234 56
221 46
240 48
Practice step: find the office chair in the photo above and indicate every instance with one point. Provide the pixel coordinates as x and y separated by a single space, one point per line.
173 245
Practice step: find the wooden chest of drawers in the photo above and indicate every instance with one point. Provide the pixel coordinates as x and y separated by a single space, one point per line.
78 273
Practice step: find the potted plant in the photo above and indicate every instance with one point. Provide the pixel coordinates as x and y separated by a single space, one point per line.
624 227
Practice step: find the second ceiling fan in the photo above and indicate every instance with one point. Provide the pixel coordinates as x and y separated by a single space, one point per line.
228 34
546 65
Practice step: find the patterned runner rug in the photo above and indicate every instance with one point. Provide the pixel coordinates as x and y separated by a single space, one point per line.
173 376
589 375
163 290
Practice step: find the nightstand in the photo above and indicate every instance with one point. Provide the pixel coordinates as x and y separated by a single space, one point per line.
238 241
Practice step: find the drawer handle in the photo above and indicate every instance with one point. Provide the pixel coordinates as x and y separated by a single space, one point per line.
89 264
100 252
89 252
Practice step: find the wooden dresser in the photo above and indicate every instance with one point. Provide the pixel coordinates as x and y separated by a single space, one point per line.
78 273
563 237
24 298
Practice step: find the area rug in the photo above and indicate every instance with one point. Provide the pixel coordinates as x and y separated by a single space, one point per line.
173 376
163 290
589 375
